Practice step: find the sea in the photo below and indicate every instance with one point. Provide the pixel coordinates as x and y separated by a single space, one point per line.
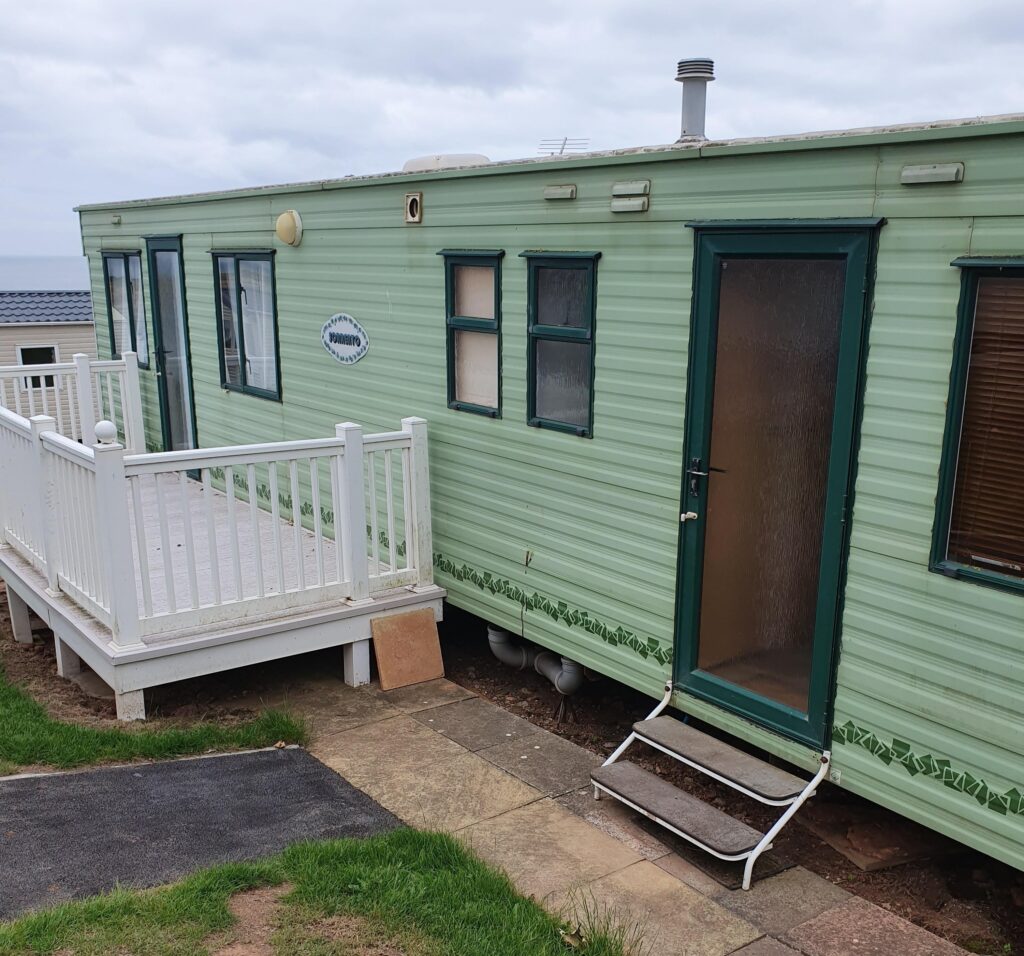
43 273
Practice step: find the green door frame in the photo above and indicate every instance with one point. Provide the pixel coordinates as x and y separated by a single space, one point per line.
851 240
156 244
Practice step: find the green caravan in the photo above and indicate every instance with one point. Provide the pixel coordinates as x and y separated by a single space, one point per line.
730 415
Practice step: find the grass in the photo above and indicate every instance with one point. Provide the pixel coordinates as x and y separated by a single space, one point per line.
29 736
422 891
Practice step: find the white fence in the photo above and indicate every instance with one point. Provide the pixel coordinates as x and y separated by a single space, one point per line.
155 544
78 394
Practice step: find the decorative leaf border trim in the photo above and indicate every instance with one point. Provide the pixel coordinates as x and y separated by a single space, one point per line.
1011 802
556 610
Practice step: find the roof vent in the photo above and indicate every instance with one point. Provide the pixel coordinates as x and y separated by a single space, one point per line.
694 74
426 164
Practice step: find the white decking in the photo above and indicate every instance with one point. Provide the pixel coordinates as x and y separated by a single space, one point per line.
157 567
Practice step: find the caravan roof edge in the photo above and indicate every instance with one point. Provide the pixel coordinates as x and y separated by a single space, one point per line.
1002 125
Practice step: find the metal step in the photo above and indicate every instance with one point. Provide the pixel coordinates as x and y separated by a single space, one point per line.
721 760
659 799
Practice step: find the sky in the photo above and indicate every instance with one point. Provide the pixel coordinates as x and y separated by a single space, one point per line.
103 100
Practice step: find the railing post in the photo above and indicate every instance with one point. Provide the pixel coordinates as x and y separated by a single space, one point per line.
42 495
84 398
113 529
353 523
417 427
131 406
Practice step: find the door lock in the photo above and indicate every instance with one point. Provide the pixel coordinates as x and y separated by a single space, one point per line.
688 516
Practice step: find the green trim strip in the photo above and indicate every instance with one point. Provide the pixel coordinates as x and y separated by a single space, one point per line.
962 781
556 610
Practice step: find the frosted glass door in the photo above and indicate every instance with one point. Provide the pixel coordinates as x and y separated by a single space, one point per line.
776 348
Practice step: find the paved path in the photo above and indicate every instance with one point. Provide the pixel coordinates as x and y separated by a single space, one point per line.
65 836
439 757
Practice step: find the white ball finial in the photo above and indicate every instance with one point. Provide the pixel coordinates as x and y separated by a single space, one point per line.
106 433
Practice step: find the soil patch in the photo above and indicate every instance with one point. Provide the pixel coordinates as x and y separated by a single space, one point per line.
967 898
356 936
256 914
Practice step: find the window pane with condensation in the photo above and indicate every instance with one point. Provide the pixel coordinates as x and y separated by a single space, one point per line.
474 292
476 368
563 382
117 296
986 528
562 297
229 321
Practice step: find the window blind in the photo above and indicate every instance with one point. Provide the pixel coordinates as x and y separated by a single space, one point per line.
986 527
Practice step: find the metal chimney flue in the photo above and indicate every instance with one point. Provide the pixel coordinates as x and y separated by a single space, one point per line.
694 74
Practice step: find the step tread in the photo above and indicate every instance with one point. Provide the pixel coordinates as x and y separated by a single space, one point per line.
727 761
686 813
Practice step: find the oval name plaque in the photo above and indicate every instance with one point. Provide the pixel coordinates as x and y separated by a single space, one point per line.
344 338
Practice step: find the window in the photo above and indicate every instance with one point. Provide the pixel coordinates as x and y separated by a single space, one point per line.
37 355
561 300
247 322
122 273
473 309
980 521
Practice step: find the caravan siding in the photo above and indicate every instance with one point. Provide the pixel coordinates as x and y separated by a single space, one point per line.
929 711
572 542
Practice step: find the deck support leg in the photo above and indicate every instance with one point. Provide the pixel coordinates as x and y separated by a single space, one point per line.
21 623
356 659
131 705
69 664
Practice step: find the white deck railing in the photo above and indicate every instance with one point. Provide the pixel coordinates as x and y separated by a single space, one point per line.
151 545
78 394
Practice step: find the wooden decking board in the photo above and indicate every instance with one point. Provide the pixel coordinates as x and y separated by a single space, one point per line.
705 823
741 768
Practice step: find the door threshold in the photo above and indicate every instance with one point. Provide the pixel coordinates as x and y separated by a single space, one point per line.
792 751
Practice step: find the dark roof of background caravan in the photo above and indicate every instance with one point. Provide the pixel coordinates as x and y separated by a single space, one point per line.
22 307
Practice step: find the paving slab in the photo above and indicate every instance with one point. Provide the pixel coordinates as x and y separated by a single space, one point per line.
451 794
779 903
476 724
380 750
546 761
416 697
766 946
689 874
859 928
676 920
70 835
617 820
546 850
335 711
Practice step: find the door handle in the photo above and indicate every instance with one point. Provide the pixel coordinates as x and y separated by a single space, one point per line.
695 475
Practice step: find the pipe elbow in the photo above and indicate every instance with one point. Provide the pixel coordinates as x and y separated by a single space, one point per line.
566 675
508 651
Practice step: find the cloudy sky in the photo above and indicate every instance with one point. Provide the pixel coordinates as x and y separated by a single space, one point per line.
102 100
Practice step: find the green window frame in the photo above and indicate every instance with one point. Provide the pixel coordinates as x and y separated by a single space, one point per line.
573 336
456 324
245 369
974 270
131 272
